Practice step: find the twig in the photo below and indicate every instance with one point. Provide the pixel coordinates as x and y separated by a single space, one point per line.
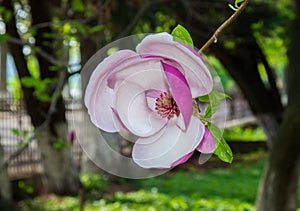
15 154
61 22
215 36
42 53
55 96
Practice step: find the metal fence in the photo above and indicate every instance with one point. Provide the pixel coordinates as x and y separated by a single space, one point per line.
13 116
14 121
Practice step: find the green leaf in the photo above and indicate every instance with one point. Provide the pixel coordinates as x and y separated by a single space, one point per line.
60 143
96 29
232 7
30 82
8 15
41 87
182 35
214 99
49 35
5 14
41 92
77 5
204 98
16 132
236 5
223 151
3 37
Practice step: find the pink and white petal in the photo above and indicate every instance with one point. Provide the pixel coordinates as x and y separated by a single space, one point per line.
180 91
193 67
173 145
147 73
153 138
101 112
103 70
151 155
133 111
183 159
204 157
180 122
207 144
151 96
99 97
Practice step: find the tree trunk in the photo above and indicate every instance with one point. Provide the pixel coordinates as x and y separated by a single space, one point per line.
60 172
259 95
61 175
5 188
278 189
3 51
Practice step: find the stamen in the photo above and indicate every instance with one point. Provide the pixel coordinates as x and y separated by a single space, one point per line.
166 106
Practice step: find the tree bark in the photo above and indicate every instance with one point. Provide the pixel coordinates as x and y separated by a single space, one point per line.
60 172
278 189
5 187
264 100
3 51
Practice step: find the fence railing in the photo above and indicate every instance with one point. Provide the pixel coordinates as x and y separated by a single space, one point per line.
14 124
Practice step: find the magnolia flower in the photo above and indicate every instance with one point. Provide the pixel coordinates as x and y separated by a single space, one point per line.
150 93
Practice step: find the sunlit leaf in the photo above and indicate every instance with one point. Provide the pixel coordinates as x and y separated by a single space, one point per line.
236 5
29 82
214 99
16 132
60 143
96 29
237 2
77 5
232 7
5 14
223 151
3 37
182 35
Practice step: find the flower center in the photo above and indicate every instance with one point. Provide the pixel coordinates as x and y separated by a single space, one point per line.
166 106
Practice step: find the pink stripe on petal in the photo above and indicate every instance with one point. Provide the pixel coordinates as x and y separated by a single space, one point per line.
98 96
208 144
180 91
193 51
193 67
183 159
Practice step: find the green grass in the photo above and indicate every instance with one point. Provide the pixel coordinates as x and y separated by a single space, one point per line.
220 189
231 188
239 182
245 134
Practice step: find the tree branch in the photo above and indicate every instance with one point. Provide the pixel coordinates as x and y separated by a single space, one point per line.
140 13
215 36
